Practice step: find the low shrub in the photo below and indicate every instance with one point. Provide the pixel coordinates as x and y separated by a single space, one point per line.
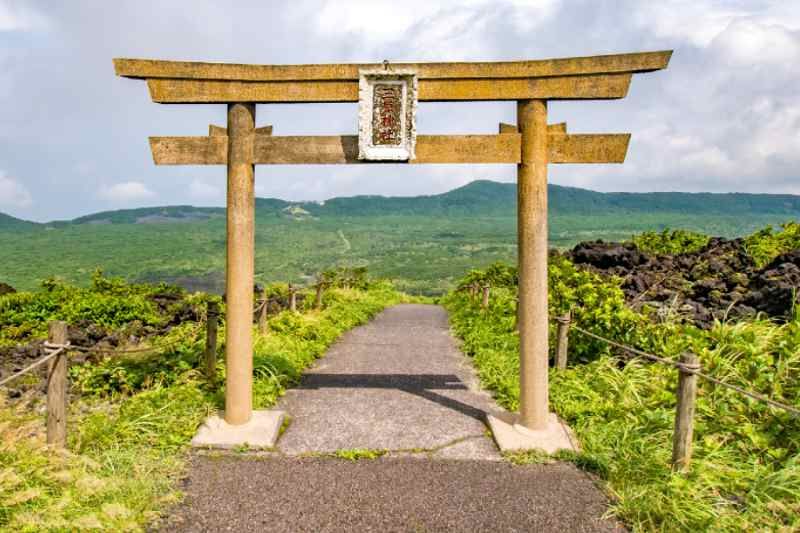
670 242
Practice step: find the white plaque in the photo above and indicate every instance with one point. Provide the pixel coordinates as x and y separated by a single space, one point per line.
387 108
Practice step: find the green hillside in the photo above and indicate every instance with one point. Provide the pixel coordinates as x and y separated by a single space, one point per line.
481 197
177 213
9 223
425 242
489 197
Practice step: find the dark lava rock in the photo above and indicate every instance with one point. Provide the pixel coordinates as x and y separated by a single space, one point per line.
5 288
776 286
77 336
604 255
717 282
95 332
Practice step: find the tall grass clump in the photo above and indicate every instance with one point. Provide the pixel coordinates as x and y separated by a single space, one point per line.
745 472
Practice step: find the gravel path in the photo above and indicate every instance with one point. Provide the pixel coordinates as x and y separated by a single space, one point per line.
387 495
400 384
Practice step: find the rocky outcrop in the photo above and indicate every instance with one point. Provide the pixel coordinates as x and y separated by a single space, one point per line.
5 288
720 281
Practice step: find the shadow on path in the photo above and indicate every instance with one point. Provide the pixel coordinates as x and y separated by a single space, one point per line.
422 385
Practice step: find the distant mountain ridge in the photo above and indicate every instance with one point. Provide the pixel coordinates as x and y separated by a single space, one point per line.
13 223
478 198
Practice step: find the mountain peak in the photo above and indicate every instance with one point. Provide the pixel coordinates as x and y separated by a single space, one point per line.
477 198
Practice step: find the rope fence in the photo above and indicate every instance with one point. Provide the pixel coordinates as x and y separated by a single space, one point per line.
57 346
688 366
689 369
54 350
696 371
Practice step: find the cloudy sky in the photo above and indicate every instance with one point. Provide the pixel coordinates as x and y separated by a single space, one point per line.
725 115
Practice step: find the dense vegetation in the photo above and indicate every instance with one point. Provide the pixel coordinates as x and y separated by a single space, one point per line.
107 302
670 242
745 473
768 243
132 416
424 243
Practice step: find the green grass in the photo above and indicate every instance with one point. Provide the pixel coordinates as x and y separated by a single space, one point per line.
424 254
358 454
745 473
128 434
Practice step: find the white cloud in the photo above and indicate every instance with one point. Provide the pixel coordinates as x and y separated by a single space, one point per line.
13 193
127 191
724 116
205 191
748 42
19 16
424 30
700 21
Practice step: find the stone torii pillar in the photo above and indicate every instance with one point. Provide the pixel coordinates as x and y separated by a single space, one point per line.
532 263
240 263
531 144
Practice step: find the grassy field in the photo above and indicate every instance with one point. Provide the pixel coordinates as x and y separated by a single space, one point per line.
425 254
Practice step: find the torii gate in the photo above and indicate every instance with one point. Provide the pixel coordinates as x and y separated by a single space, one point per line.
387 126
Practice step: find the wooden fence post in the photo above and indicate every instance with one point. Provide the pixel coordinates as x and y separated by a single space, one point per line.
292 298
318 298
562 340
263 325
212 314
684 414
57 388
485 300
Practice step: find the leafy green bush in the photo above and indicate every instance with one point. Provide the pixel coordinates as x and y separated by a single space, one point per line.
345 277
596 303
767 244
498 274
670 242
107 302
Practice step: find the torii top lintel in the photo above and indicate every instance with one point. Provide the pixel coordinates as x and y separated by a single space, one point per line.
594 77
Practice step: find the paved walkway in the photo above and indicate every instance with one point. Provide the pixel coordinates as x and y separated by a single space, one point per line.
400 384
397 383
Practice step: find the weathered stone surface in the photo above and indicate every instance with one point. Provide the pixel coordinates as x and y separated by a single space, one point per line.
608 255
261 431
511 437
572 66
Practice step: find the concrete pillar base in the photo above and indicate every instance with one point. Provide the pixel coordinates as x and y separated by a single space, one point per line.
512 437
260 432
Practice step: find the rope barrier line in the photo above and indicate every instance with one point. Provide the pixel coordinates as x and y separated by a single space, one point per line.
754 395
694 370
132 350
36 363
628 349
56 349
